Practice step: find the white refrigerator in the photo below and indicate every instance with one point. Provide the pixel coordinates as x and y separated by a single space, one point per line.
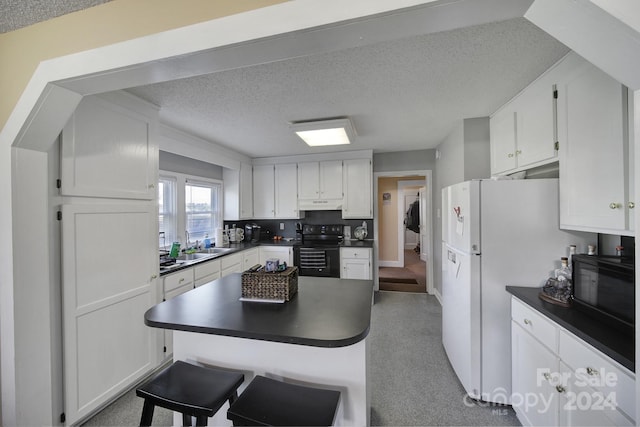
495 233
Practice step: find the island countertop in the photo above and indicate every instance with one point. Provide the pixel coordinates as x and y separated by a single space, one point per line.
326 312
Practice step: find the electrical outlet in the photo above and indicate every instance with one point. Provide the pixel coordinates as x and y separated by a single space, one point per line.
282 226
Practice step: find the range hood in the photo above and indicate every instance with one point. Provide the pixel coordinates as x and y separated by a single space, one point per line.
320 205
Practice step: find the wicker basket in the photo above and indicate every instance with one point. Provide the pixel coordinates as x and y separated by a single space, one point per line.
281 285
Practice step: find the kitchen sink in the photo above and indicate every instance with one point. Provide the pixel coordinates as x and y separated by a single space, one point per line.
191 257
214 251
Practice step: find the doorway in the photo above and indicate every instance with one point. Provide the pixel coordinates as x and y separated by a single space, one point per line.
403 255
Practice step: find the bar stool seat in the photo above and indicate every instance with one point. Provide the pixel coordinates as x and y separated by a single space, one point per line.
189 389
268 402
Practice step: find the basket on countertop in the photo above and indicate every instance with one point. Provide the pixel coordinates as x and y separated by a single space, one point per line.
278 285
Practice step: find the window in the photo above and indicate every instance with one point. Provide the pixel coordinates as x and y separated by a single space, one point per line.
202 209
167 218
188 205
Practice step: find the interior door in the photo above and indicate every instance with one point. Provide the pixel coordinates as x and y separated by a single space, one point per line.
108 284
424 229
411 238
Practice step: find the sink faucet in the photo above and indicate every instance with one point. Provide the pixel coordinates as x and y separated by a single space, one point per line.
188 244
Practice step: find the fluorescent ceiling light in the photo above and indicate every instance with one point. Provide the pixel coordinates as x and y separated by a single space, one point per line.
325 132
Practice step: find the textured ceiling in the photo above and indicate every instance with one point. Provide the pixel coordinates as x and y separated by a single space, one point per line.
16 14
401 95
405 94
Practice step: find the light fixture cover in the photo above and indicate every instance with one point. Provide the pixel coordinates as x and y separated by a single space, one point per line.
325 132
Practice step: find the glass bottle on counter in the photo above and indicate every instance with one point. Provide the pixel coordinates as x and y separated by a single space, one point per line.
563 274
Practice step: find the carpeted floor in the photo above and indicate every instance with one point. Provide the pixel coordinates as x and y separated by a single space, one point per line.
410 278
412 382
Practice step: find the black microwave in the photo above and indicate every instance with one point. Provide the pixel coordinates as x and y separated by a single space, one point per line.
606 284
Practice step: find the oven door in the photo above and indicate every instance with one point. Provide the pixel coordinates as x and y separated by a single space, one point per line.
319 261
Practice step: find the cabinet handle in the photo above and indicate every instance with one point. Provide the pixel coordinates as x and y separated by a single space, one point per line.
510 155
614 205
518 152
560 389
152 186
527 322
181 280
631 205
593 372
155 276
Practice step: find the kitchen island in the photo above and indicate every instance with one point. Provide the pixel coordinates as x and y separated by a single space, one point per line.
319 338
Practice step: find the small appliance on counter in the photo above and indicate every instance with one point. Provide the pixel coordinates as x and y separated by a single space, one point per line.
252 233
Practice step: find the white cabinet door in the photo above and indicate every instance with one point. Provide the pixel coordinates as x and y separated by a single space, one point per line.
283 253
535 122
238 192
357 189
331 179
250 257
263 191
355 263
502 135
109 149
320 180
309 180
593 152
534 374
286 191
246 191
168 334
109 281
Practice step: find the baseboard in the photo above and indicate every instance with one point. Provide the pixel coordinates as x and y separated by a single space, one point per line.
436 293
390 264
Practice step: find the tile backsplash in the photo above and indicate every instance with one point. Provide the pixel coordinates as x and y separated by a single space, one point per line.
271 227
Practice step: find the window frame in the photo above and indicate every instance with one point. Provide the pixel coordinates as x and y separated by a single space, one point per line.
182 180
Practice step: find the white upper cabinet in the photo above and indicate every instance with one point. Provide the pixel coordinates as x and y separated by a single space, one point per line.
109 148
286 191
238 192
523 132
263 191
357 189
320 180
275 191
595 171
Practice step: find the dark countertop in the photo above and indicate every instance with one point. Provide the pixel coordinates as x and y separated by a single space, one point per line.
237 247
326 312
614 342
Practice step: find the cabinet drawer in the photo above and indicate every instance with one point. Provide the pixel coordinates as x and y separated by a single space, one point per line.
178 279
230 260
543 329
598 371
206 279
360 253
206 269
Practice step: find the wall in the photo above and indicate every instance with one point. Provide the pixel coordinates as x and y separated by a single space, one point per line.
22 50
404 161
463 155
175 163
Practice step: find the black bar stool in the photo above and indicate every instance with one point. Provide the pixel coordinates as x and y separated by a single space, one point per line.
194 391
267 402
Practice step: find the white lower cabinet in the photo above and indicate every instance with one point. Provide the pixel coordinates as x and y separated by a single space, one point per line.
250 257
355 263
559 379
173 285
206 272
231 264
283 253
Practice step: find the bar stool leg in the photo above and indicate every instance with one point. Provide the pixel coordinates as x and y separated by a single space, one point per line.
187 420
147 413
